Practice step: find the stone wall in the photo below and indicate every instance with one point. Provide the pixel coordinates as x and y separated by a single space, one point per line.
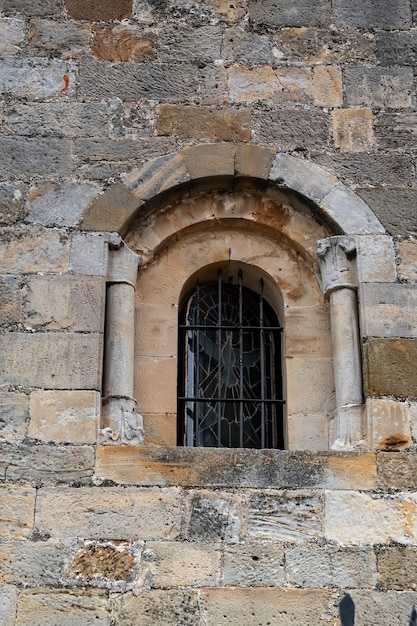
112 114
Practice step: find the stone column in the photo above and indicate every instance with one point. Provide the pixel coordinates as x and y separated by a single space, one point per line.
120 421
335 256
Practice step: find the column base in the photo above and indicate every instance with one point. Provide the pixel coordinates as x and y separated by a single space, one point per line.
120 421
349 428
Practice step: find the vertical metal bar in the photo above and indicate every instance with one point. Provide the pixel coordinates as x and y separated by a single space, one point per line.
196 334
272 391
219 354
262 348
240 358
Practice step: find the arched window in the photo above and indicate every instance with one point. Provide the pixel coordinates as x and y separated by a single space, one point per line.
230 378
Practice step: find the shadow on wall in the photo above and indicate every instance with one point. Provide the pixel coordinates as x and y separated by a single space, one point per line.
347 612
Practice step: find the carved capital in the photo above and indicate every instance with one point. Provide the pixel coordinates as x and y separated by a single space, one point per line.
123 265
334 255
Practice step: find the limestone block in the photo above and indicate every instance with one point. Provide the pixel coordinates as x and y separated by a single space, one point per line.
64 416
34 7
32 563
389 367
33 249
375 259
372 607
26 156
213 85
52 464
280 13
310 385
397 47
363 169
290 129
413 419
212 517
37 78
168 607
394 207
407 269
89 254
256 565
7 451
389 310
52 38
349 470
133 81
327 86
376 518
387 88
156 384
60 205
65 302
13 416
262 83
12 35
225 124
397 471
285 515
180 564
12 197
307 332
395 130
127 149
273 605
182 43
240 46
110 210
108 10
11 300
121 42
367 15
302 176
18 507
397 567
47 606
112 513
160 429
8 602
328 566
156 330
352 129
209 160
315 437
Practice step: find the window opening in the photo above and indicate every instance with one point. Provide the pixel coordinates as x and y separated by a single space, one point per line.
230 380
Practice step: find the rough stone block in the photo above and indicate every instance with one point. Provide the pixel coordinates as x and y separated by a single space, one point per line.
64 416
122 42
397 567
160 429
65 303
389 310
180 43
12 35
124 513
62 608
212 517
352 129
11 299
367 14
106 562
180 564
104 149
169 607
327 86
397 470
41 8
281 607
213 85
26 360
32 563
133 81
60 205
291 129
262 83
107 10
7 450
364 169
23 156
8 603
300 12
58 39
13 415
328 566
48 464
397 48
385 88
256 565
376 259
18 507
395 208
203 122
36 78
89 254
12 196
240 46
33 249
372 607
407 260
395 130
389 367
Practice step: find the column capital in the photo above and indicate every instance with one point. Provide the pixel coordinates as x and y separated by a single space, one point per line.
123 264
334 255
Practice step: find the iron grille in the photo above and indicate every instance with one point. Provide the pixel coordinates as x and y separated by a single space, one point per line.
230 371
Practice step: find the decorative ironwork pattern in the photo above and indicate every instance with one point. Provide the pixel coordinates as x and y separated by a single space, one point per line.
231 388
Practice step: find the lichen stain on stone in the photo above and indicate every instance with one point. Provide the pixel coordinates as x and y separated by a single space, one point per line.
66 80
104 561
274 215
394 442
408 510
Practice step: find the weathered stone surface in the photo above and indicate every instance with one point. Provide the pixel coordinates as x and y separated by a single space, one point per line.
36 78
327 87
203 122
11 299
363 169
407 268
12 196
52 464
303 176
62 608
44 8
26 360
122 149
395 130
64 416
397 567
254 161
8 602
32 563
375 260
352 129
387 88
23 156
291 129
113 562
262 83
214 87
7 451
123 513
165 607
350 212
209 160
13 415
105 11
397 48
181 564
52 38
18 507
65 303
368 15
256 565
177 42
107 212
389 367
240 46
89 254
212 517
394 207
281 607
158 175
389 310
280 13
132 81
388 423
33 250
61 205
12 35
397 471
328 566
372 607
121 42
